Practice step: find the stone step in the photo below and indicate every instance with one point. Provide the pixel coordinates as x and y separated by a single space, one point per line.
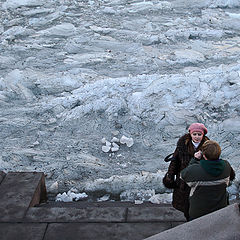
22 231
2 175
81 231
24 216
83 204
103 231
104 213
223 224
18 192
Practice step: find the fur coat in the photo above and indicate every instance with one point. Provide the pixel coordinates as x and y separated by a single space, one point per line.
182 156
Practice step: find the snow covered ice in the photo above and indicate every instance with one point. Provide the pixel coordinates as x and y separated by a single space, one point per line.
70 196
75 72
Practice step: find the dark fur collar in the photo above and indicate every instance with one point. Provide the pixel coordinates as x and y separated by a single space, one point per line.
184 144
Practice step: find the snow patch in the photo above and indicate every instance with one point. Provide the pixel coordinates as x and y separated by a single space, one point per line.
70 196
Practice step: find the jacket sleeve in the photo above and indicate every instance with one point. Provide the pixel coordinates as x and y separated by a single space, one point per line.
187 174
184 174
169 178
173 168
194 161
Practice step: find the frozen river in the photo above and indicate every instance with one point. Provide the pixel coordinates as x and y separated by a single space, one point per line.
78 75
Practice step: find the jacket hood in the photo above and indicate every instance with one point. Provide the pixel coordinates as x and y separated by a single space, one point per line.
213 167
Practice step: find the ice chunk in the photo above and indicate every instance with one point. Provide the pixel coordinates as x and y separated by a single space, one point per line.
79 196
106 148
114 139
115 147
70 196
104 198
129 142
63 198
115 133
126 140
161 198
54 187
137 194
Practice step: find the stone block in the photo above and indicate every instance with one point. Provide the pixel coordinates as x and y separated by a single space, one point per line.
89 214
154 214
223 224
103 231
2 175
18 192
175 224
22 231
84 204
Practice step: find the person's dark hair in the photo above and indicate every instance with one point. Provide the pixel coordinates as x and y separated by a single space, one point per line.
211 150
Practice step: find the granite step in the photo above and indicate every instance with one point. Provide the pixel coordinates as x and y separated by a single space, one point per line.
25 214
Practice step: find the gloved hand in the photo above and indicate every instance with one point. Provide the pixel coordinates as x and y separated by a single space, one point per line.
168 181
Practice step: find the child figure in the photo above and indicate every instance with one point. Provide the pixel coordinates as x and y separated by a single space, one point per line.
208 177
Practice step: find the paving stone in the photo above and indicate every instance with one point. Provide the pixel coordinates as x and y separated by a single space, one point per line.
22 231
223 224
84 204
103 231
175 224
89 214
18 191
154 214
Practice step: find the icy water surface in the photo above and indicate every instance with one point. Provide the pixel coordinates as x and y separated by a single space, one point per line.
75 72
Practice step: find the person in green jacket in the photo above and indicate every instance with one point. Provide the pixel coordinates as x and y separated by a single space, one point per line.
208 176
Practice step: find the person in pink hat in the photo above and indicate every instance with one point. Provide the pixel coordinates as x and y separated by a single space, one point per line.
187 146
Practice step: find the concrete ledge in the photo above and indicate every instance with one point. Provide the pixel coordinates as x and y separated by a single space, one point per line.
24 216
223 224
104 212
2 176
89 214
22 231
40 193
103 231
154 214
18 192
84 204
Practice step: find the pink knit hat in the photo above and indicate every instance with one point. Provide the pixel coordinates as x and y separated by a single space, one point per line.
197 127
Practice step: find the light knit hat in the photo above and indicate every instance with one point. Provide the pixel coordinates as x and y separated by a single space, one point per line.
197 127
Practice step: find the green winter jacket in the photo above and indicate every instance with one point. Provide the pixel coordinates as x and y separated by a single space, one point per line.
208 180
